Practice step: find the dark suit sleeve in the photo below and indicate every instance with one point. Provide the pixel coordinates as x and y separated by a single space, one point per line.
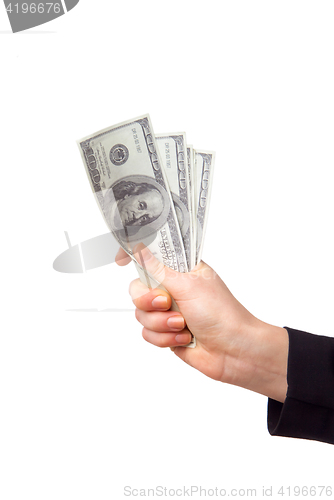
308 410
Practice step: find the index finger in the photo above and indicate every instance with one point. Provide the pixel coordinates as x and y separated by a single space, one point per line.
122 258
149 299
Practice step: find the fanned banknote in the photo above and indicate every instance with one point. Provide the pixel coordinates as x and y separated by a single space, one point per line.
123 165
153 190
173 154
204 163
191 176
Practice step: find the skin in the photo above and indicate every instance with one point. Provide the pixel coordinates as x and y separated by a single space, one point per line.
135 209
233 346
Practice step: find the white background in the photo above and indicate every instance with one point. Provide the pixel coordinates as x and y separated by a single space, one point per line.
87 406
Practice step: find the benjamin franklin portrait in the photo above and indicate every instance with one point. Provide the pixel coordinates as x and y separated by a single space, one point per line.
136 207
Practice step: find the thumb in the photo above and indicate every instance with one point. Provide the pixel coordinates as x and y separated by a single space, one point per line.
169 278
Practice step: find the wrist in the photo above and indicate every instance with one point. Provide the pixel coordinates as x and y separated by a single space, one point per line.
274 361
261 363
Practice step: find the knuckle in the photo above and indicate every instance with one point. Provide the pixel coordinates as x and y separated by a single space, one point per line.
131 287
160 342
159 272
144 334
137 290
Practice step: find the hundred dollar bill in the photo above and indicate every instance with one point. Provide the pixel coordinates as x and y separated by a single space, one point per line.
204 163
191 176
173 154
126 175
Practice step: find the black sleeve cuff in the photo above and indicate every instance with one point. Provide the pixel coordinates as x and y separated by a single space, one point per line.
308 410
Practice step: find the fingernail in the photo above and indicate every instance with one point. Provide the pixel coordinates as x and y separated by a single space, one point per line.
176 322
181 338
160 302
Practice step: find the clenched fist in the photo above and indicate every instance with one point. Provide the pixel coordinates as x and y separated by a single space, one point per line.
232 345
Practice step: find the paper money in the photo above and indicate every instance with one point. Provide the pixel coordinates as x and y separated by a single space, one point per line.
125 172
204 163
173 154
153 190
192 183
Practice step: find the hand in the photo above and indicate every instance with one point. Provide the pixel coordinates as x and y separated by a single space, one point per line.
232 345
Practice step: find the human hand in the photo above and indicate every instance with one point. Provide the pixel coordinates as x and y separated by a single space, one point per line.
232 345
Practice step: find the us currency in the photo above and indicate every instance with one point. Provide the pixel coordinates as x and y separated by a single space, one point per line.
192 184
126 175
173 154
204 164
